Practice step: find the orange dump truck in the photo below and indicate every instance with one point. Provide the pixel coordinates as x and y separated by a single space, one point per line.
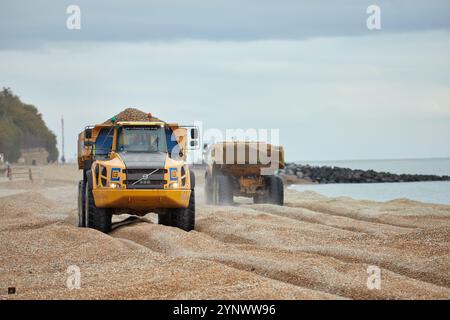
135 165
245 169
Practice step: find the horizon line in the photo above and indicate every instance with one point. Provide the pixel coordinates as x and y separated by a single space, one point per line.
374 159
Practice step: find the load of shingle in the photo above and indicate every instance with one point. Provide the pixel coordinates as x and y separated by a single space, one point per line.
132 114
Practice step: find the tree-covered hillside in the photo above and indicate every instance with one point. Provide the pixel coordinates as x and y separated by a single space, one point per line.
22 126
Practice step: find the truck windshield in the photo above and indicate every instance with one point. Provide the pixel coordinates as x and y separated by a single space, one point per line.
141 139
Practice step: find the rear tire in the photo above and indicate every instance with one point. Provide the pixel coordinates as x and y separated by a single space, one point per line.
208 189
258 199
184 218
96 218
275 190
224 190
81 205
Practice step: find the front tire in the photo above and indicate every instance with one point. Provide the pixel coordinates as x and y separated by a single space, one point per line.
182 218
165 219
96 218
81 205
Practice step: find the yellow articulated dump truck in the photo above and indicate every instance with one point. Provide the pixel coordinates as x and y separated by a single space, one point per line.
136 164
244 169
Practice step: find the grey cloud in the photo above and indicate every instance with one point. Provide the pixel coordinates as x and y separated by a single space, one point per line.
332 98
26 23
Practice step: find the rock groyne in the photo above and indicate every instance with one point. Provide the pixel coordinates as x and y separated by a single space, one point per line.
327 174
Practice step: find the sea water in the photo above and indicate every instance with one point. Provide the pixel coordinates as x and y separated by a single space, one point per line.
431 192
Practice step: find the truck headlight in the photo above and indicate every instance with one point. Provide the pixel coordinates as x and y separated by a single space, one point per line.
114 185
174 185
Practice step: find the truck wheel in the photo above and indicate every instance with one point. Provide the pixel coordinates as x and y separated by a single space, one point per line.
275 190
96 218
224 189
184 218
258 199
165 219
192 178
208 189
81 212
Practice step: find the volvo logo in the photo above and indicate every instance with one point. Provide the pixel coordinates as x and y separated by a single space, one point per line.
145 176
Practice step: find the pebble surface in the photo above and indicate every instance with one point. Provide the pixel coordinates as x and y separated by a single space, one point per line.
312 248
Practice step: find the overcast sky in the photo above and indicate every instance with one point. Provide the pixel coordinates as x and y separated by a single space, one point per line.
335 89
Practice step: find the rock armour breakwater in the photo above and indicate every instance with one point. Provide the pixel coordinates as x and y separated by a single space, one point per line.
327 174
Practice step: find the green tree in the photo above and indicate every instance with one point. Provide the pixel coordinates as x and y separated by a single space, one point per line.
22 126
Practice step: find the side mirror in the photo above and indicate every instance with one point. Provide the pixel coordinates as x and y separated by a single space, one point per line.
194 133
88 133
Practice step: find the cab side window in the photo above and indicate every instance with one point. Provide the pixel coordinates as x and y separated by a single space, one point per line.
103 143
171 141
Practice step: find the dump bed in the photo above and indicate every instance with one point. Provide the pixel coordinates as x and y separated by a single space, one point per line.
241 158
